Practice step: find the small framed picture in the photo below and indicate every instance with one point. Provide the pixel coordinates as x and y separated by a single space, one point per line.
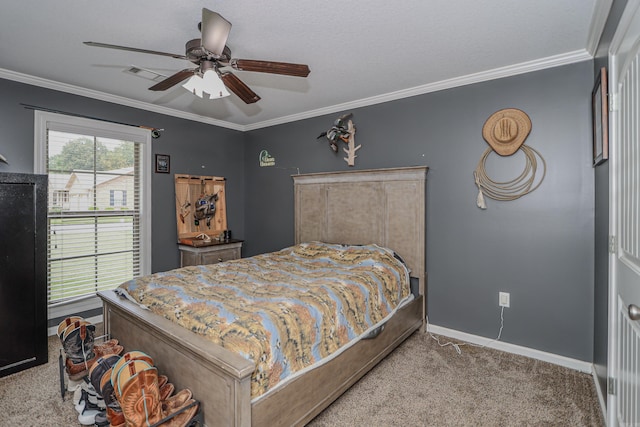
600 117
162 163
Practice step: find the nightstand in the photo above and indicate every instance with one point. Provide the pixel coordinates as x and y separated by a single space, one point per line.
210 253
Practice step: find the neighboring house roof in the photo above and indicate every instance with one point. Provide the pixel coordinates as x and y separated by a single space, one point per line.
82 181
58 181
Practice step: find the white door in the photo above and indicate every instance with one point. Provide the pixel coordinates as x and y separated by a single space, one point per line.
623 404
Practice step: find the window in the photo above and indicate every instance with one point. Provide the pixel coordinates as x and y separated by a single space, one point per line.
60 198
118 198
98 205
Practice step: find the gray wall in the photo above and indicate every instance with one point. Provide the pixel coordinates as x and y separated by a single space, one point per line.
539 248
191 146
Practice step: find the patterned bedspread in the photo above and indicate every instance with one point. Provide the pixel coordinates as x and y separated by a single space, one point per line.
287 311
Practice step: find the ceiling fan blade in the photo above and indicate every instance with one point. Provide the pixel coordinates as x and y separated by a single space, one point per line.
173 80
286 68
215 30
135 49
238 87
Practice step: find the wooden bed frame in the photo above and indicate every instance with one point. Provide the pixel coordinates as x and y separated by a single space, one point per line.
384 206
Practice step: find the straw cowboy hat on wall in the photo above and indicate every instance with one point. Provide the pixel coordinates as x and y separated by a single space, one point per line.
506 130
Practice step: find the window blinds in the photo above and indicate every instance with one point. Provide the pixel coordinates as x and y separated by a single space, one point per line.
94 213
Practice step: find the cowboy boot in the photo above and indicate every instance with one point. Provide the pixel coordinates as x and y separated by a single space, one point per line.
166 391
115 417
125 359
83 368
105 346
103 350
140 396
101 365
113 414
106 388
77 341
180 409
162 380
183 415
66 322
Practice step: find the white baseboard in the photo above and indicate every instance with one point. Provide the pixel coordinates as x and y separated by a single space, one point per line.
601 394
567 362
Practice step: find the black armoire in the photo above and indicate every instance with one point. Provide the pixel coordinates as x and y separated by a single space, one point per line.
23 271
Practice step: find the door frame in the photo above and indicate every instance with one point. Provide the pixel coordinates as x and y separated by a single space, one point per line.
629 12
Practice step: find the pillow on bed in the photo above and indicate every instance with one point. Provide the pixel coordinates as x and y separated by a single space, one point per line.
346 245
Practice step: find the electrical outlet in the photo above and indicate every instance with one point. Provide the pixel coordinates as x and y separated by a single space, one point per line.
504 299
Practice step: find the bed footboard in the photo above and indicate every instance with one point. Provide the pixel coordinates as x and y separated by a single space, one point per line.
221 380
218 378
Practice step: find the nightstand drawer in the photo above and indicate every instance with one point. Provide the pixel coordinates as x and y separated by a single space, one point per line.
220 256
212 254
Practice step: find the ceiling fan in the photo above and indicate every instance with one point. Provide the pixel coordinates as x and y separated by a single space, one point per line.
210 53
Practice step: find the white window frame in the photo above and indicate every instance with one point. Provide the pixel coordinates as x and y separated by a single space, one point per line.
44 121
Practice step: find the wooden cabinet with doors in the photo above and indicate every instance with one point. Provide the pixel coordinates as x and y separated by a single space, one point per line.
23 271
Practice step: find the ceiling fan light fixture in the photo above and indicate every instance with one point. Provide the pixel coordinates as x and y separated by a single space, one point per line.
210 53
209 83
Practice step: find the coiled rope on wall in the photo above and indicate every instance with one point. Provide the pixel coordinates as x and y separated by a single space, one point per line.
513 189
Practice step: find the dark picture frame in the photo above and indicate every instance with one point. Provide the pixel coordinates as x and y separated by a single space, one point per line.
163 162
600 118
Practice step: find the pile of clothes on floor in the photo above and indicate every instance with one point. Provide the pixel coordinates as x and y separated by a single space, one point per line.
114 389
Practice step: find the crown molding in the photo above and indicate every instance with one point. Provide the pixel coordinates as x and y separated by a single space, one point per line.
497 73
598 22
102 96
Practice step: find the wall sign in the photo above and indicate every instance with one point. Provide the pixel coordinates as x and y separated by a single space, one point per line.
266 159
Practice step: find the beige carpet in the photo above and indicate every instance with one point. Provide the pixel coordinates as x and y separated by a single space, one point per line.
423 384
420 384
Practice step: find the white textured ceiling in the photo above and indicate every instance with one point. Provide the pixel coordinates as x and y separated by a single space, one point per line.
359 52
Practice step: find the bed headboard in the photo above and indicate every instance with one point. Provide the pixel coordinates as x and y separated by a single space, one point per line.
381 206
